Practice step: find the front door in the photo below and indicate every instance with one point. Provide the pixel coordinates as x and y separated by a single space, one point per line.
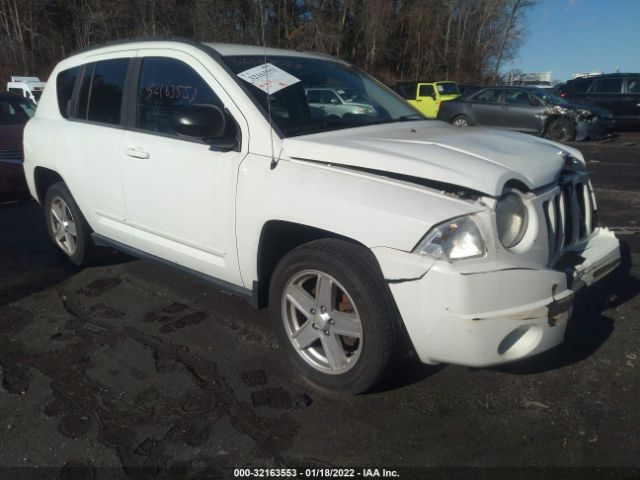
426 100
179 192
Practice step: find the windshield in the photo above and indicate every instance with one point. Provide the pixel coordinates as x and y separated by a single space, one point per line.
314 95
548 97
15 111
448 88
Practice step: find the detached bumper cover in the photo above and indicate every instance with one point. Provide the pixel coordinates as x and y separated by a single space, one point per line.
495 313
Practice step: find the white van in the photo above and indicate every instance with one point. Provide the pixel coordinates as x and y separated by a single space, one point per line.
28 87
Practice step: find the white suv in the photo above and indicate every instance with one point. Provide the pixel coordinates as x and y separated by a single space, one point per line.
367 235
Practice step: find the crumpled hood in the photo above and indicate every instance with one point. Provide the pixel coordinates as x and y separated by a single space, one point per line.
474 158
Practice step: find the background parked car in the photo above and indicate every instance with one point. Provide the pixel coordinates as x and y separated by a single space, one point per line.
14 113
332 101
618 92
427 97
530 110
27 87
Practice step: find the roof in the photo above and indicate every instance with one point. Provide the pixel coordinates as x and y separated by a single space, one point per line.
223 49
605 75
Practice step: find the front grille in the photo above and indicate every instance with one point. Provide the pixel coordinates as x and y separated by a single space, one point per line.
570 214
13 155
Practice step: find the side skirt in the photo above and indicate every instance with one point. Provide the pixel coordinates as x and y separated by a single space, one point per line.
251 296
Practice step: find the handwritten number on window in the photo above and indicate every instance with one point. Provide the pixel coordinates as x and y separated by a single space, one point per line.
171 91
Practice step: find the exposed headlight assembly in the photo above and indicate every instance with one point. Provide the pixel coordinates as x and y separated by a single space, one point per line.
511 219
453 240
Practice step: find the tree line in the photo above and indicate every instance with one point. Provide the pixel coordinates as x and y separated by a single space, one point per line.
464 40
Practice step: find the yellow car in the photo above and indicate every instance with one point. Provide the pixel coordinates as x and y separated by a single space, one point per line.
427 97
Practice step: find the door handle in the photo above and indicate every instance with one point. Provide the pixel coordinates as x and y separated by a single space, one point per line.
136 152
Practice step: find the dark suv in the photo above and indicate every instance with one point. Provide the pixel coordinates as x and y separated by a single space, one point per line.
618 92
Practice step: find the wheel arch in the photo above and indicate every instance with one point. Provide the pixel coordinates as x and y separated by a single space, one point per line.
43 179
277 238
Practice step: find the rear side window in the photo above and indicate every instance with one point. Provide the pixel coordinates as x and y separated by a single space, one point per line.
167 85
105 94
608 85
64 87
487 96
581 86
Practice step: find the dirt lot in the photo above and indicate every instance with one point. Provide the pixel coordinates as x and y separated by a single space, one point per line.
129 365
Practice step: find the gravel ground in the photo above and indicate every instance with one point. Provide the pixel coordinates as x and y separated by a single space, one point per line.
132 370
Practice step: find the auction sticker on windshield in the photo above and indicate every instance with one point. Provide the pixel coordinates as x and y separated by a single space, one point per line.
268 78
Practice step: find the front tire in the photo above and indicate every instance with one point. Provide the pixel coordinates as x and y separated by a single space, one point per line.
67 226
334 315
561 130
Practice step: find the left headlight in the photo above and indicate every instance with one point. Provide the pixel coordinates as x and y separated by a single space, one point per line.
453 240
511 219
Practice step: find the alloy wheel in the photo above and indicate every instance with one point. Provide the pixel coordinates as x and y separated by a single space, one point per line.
322 322
63 226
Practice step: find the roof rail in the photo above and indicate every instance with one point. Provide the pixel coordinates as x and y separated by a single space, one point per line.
147 38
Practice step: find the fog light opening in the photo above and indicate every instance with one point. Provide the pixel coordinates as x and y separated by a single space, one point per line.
520 341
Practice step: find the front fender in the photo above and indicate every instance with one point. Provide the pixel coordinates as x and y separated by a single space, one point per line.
373 210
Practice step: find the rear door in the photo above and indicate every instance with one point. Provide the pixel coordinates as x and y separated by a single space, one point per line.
607 93
86 149
485 108
521 111
426 100
179 191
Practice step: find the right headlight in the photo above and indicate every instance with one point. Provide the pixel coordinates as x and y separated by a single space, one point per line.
453 240
511 219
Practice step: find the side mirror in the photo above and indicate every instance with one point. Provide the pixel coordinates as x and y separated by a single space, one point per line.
200 121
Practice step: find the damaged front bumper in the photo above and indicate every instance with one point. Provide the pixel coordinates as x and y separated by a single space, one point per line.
595 128
490 313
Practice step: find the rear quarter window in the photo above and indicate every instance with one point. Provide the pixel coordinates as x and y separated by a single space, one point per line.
65 82
581 86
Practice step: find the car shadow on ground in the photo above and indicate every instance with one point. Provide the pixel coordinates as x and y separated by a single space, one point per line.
28 258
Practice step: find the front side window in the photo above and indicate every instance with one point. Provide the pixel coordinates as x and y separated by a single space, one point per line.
105 95
633 85
166 85
487 96
294 113
426 91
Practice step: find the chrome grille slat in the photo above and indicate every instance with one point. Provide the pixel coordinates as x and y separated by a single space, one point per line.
570 214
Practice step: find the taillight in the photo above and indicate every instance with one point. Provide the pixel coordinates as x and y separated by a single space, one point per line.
563 94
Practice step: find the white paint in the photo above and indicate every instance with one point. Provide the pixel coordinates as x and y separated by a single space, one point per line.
206 210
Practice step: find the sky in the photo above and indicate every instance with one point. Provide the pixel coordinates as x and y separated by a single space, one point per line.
572 36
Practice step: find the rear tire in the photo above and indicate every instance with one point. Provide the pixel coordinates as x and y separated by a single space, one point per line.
334 315
561 130
461 121
67 226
